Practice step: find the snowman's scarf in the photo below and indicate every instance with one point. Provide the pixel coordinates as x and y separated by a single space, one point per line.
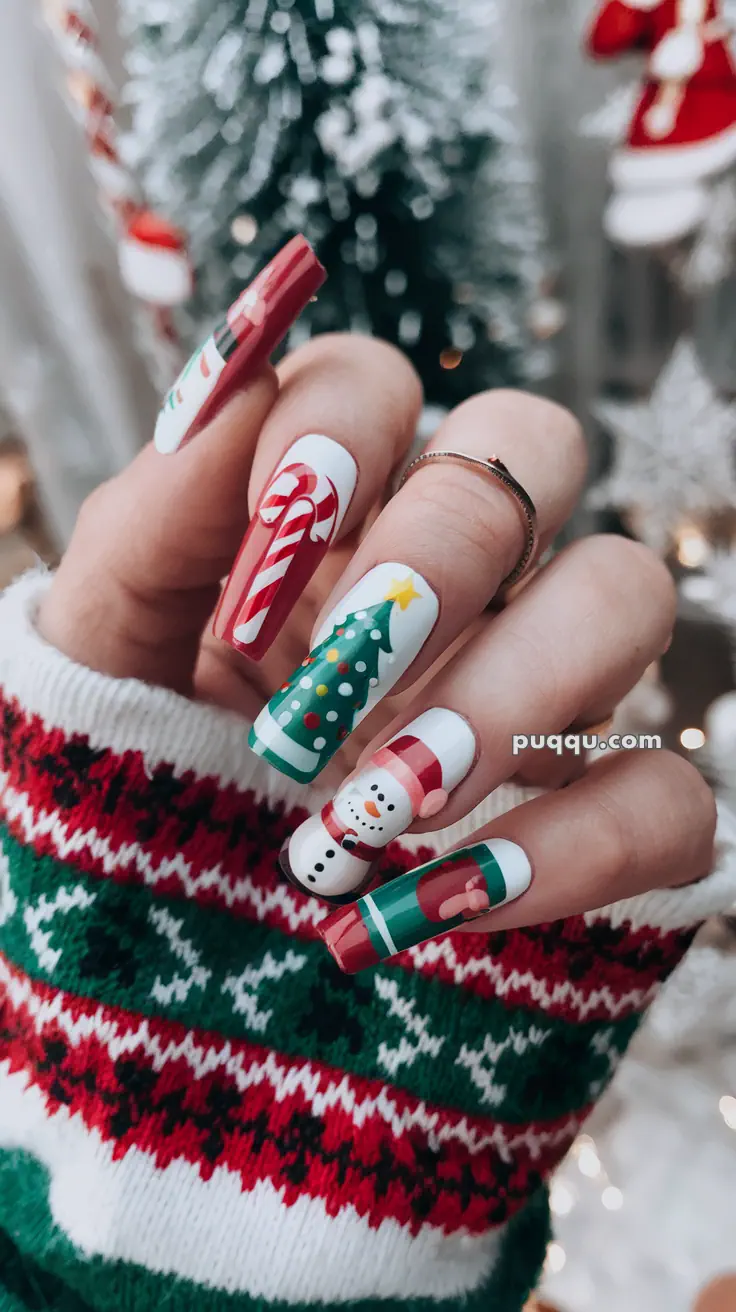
337 830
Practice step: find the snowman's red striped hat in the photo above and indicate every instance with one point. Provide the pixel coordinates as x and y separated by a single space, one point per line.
416 768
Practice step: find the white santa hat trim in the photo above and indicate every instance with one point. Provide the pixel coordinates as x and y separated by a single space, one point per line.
645 168
161 276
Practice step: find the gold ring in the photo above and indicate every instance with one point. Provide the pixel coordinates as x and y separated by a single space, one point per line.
495 469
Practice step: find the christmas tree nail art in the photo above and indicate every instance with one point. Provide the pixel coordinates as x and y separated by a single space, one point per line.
332 854
443 895
362 650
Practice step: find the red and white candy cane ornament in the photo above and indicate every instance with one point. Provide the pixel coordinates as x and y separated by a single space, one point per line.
304 506
154 263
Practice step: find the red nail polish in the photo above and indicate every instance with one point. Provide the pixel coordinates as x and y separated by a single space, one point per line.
297 519
248 334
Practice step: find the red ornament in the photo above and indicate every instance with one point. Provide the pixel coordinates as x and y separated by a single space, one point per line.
342 733
340 632
311 720
343 668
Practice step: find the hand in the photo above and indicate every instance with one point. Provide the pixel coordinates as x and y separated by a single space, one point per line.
136 590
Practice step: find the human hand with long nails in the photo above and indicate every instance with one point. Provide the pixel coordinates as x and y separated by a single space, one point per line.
353 632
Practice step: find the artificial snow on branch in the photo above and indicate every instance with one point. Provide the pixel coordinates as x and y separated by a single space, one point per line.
385 130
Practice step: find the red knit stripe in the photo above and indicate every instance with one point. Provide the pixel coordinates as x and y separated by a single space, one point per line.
213 828
206 1120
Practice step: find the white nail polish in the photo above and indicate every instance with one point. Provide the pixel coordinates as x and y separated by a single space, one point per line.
411 777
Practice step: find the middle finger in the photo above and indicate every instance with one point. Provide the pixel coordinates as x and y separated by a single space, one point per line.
431 563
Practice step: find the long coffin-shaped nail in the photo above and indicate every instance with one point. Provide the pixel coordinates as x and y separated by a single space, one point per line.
297 519
364 646
427 902
332 854
248 334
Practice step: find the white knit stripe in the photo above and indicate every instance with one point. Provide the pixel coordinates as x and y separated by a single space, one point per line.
540 991
69 843
171 1221
127 715
322 1092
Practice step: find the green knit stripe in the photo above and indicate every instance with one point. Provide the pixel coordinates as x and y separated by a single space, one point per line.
57 1278
124 946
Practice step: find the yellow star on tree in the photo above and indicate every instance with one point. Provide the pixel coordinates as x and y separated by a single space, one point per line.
403 592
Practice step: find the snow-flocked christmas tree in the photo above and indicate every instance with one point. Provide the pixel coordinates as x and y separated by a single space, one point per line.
382 129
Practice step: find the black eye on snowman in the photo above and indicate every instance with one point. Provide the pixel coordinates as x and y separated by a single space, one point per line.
374 788
391 807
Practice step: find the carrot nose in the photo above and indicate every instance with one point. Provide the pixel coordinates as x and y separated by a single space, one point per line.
373 810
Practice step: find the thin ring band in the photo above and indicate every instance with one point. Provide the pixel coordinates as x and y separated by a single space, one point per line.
495 469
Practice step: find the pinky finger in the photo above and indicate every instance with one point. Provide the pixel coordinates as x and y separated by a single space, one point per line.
633 823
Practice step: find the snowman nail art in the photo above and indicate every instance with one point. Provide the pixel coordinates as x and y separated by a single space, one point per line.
332 854
243 340
364 646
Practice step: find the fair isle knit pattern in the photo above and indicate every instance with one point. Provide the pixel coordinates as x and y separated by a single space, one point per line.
197 1109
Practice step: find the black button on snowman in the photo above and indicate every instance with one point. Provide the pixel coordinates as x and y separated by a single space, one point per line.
332 854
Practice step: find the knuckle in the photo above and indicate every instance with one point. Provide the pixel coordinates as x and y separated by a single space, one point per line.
435 519
94 512
352 354
524 413
689 796
627 570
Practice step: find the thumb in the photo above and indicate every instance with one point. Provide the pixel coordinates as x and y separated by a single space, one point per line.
141 575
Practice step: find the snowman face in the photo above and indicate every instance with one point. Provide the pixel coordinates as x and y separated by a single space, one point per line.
376 806
315 861
193 387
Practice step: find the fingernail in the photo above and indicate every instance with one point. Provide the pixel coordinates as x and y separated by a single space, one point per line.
332 854
364 646
297 519
248 334
429 901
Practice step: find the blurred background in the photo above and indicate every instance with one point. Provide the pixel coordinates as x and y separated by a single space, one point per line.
535 193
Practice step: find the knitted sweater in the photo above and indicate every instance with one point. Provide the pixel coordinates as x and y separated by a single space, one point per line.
197 1109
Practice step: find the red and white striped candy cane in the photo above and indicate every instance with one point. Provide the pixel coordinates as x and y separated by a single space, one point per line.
302 503
91 98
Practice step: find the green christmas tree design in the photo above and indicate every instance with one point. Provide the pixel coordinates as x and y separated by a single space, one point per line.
317 709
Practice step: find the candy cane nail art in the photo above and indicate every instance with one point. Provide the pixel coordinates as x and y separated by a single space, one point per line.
332 854
297 519
244 339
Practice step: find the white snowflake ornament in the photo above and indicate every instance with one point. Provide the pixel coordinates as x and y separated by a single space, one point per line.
674 453
714 253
